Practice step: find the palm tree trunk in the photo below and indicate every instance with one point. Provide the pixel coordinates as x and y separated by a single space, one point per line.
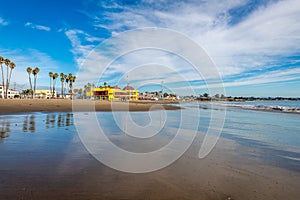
2 80
62 89
53 88
66 88
50 87
34 85
6 89
54 83
8 82
30 86
71 91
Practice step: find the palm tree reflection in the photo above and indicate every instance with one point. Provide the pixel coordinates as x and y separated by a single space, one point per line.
5 129
25 124
29 123
59 120
32 123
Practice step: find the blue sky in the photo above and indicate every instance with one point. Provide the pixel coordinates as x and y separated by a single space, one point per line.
254 43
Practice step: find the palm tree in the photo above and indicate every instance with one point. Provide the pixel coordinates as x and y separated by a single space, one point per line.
35 72
62 79
87 90
105 84
12 65
73 80
29 70
66 84
6 62
2 61
50 76
80 92
54 83
70 80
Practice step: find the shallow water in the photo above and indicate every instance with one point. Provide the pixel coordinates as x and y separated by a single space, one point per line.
45 131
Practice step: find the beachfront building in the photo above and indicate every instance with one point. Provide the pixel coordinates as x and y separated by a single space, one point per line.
44 94
10 93
149 96
114 93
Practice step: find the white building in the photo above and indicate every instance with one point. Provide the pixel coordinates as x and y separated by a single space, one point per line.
10 93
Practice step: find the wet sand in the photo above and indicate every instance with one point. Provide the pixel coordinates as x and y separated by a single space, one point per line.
74 174
50 162
13 106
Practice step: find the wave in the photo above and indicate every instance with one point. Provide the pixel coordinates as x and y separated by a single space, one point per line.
275 108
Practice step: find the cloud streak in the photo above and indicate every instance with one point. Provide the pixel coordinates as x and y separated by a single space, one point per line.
3 22
37 27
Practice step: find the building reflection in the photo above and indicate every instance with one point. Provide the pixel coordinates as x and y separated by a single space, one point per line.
30 122
5 129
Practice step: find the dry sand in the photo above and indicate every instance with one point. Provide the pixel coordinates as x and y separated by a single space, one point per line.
12 106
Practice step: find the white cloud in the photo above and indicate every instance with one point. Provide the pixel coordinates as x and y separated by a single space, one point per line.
269 31
82 43
37 27
271 77
258 42
3 22
29 58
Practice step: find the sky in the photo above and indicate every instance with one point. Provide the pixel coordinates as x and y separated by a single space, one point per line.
254 44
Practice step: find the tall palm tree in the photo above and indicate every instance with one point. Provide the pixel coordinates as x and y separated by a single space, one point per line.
6 62
2 61
70 80
29 70
54 83
80 93
62 80
87 90
12 65
35 72
73 80
50 76
66 83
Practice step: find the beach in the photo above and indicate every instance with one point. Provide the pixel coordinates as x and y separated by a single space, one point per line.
43 157
62 169
12 106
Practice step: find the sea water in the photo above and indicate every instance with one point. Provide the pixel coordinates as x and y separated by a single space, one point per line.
48 135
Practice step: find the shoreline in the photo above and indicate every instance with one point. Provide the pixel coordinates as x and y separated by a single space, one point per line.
15 106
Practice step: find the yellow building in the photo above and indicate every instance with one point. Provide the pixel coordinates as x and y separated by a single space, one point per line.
44 94
114 93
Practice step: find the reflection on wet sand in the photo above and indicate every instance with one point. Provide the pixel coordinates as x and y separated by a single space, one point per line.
59 120
5 129
29 123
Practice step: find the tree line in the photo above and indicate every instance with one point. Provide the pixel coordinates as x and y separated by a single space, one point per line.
9 68
66 83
